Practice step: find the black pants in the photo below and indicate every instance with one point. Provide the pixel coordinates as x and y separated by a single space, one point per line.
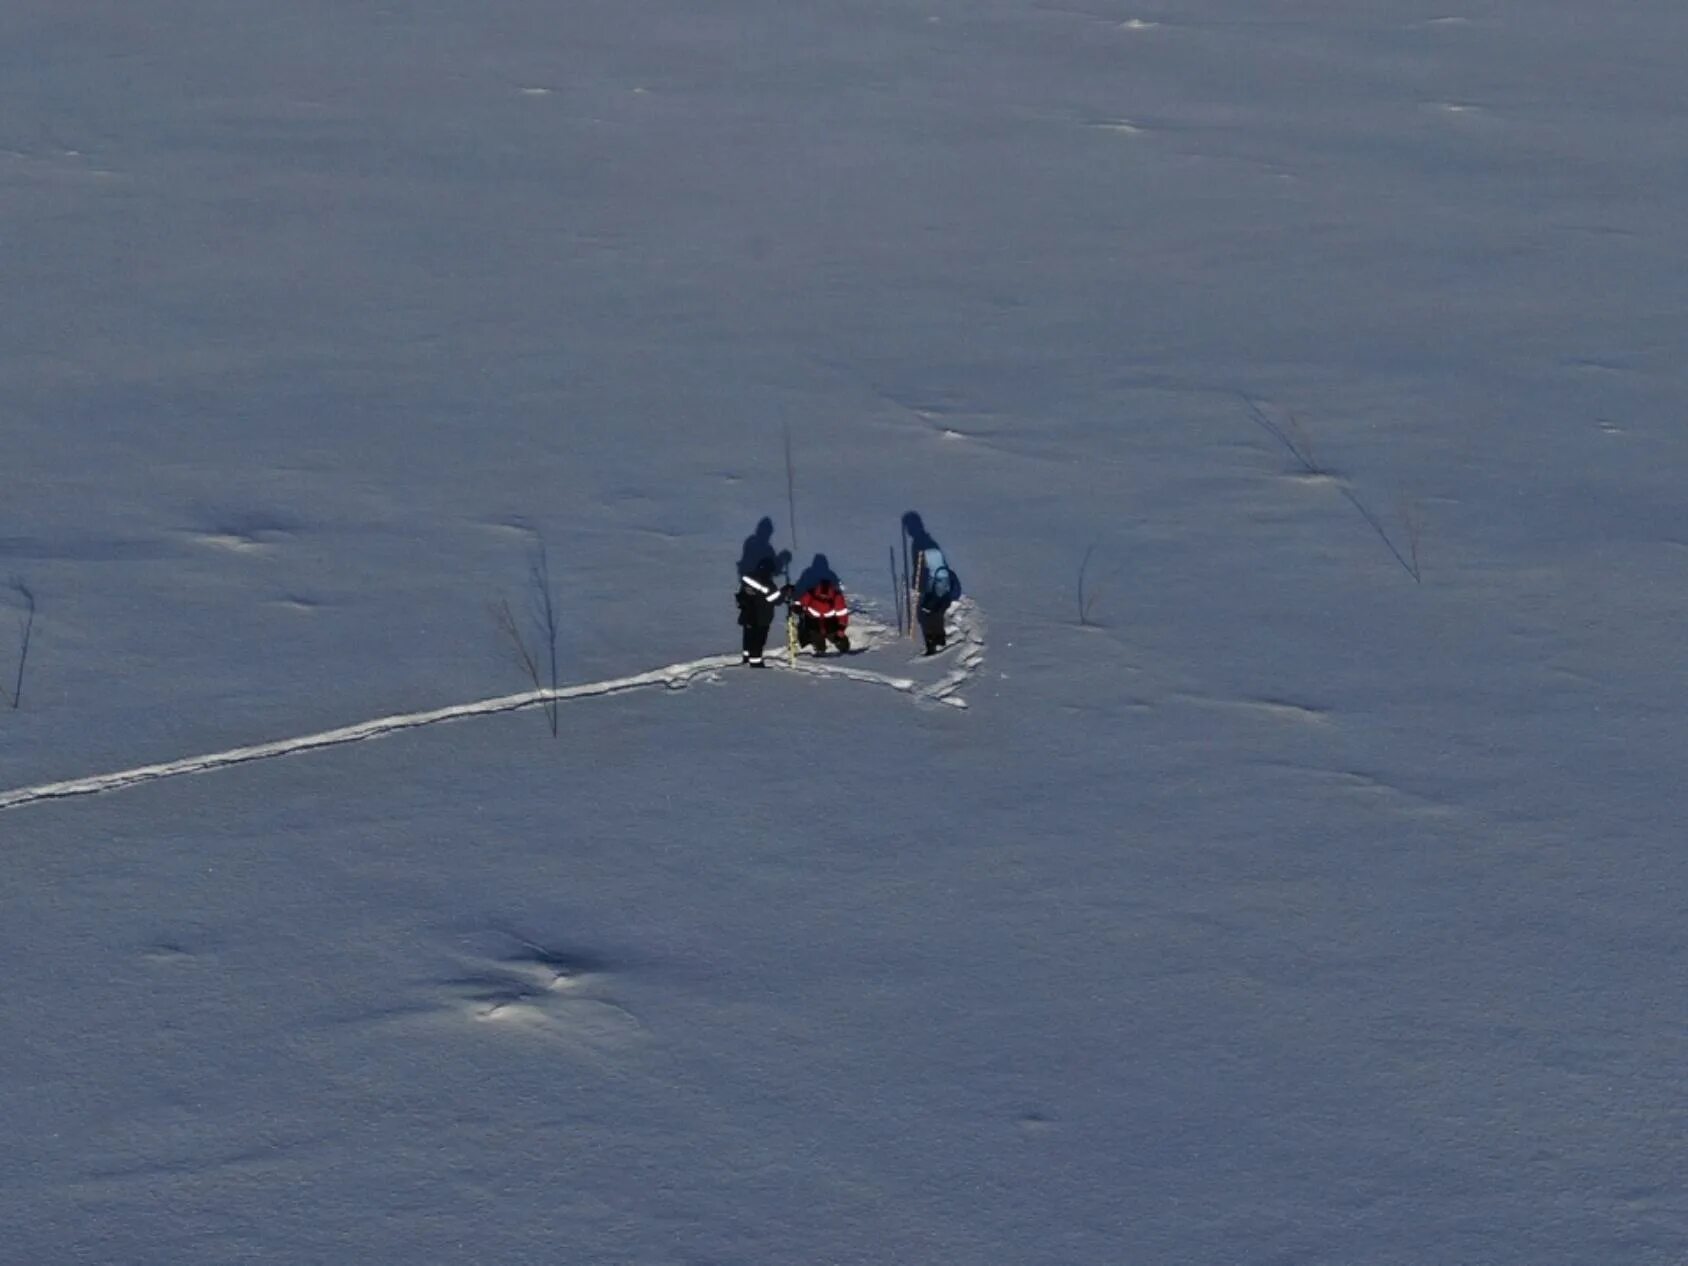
815 634
932 626
755 638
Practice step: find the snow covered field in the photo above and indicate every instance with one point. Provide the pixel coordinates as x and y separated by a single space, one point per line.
1317 899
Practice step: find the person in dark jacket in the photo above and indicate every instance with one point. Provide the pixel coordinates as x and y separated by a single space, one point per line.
758 594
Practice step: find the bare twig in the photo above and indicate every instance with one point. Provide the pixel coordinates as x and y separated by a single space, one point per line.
791 492
1293 438
791 512
1303 446
539 574
1090 590
1085 600
908 593
1412 523
15 697
896 588
1290 435
543 614
506 622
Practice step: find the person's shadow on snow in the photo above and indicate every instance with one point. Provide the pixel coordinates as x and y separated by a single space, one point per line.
759 547
920 540
816 572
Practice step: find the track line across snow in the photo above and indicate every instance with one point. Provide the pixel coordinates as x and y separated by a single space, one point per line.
673 677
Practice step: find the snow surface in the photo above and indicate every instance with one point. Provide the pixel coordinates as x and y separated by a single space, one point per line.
1316 899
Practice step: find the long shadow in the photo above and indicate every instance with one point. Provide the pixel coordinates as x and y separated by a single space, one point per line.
759 547
1301 450
1409 565
818 570
921 540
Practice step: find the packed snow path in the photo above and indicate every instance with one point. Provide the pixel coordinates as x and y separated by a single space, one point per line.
968 655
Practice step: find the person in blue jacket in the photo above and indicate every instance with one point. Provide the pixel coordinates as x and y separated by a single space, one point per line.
937 587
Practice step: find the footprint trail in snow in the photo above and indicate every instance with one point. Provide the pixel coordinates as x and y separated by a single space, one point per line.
969 655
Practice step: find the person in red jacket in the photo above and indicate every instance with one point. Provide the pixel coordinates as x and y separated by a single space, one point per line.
822 616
